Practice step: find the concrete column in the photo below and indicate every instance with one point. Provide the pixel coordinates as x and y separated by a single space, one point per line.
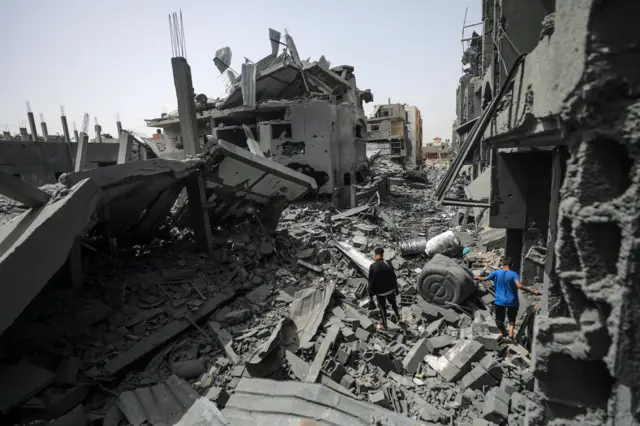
6 135
65 129
126 144
45 133
98 130
186 106
81 154
32 126
24 135
77 135
119 127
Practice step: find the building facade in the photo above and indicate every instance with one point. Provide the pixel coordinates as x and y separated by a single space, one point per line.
557 128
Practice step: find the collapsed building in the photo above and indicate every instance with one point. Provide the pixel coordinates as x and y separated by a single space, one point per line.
264 326
303 114
547 120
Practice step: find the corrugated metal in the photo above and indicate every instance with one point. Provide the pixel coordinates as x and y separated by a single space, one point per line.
222 60
248 84
259 402
171 403
274 38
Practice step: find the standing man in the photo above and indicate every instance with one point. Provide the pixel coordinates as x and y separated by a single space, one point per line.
507 283
384 285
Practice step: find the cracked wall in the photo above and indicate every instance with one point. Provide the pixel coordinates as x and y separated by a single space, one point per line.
588 364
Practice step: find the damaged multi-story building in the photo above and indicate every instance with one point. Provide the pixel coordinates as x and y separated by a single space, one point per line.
303 114
396 131
547 118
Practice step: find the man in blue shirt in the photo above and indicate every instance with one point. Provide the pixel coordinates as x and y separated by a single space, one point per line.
507 283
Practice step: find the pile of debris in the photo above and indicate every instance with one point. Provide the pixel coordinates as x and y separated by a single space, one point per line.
166 336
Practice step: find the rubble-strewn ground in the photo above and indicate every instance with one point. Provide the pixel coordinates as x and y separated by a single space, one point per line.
440 366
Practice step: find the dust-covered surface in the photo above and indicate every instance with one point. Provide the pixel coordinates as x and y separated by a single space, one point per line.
151 311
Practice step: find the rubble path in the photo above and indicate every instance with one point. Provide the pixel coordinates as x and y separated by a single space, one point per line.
137 325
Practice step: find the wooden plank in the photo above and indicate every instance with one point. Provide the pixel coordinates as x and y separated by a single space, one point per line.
165 334
328 342
21 191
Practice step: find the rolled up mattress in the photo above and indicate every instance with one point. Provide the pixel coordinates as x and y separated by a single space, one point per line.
444 280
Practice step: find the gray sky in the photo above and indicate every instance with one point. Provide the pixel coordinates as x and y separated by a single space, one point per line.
108 57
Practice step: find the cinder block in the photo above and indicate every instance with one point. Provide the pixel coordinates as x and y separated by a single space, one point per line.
380 398
489 341
334 370
412 360
464 353
347 381
435 344
378 359
348 335
478 379
508 386
496 406
343 355
434 327
492 366
362 335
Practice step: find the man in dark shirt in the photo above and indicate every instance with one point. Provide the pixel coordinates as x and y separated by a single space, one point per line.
383 284
507 283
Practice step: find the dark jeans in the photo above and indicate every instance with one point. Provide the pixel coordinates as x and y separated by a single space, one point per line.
511 312
382 306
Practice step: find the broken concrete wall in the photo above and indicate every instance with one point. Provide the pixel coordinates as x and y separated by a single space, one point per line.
36 244
597 245
40 163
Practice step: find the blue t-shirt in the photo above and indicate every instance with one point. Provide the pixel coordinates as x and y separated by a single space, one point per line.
506 290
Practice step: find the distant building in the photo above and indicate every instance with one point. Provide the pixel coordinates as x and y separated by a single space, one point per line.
396 131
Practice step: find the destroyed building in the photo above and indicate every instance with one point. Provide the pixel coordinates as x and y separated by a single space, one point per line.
303 114
389 133
549 123
223 319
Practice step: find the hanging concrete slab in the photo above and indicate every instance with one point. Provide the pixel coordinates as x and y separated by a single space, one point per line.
261 402
239 182
140 193
45 236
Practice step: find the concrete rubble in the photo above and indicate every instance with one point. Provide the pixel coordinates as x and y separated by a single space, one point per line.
170 336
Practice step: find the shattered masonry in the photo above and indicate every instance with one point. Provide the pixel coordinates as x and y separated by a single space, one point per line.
172 291
305 115
556 125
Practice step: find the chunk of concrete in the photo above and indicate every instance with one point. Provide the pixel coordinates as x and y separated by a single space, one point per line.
437 343
478 379
412 359
45 235
496 406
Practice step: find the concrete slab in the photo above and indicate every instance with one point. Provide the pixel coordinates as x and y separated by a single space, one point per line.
21 191
21 381
45 235
241 183
133 190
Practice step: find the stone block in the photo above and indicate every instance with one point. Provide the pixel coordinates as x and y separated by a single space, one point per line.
496 406
347 381
413 358
362 335
478 379
380 398
437 343
344 354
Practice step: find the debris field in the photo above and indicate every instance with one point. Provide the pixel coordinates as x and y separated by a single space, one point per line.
162 334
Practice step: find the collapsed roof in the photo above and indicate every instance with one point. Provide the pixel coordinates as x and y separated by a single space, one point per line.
279 75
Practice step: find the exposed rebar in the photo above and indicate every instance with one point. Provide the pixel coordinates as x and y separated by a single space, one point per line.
176 33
